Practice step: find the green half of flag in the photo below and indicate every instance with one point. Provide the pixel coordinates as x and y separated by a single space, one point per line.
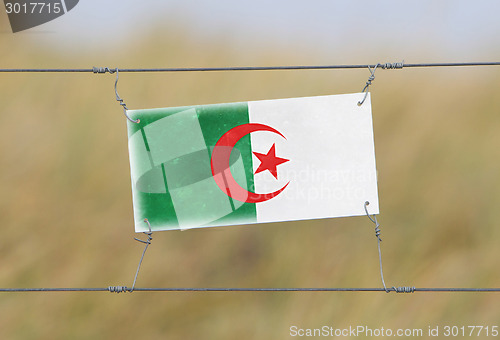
172 181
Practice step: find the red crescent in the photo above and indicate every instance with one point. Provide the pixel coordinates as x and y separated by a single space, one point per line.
220 164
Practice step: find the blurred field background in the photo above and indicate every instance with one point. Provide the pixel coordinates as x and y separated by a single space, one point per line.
66 208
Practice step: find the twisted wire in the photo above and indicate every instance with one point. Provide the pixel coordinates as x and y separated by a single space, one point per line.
147 242
368 83
379 239
102 70
404 289
117 289
118 99
377 234
393 66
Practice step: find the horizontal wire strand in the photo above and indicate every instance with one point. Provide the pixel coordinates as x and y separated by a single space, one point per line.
246 68
125 289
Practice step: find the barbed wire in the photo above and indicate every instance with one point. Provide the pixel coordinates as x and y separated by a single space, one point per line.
398 65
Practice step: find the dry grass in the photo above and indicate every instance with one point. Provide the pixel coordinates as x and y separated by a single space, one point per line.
66 211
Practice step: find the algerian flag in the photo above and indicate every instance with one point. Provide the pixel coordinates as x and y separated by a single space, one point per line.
252 162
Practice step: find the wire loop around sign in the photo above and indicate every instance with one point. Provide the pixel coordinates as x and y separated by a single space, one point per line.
368 83
147 242
377 234
385 66
118 99
122 289
373 218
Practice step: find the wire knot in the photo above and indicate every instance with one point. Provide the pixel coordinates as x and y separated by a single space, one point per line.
392 66
374 220
403 289
378 232
103 70
369 81
147 233
148 241
118 289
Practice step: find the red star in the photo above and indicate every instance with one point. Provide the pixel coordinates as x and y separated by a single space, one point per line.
269 161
